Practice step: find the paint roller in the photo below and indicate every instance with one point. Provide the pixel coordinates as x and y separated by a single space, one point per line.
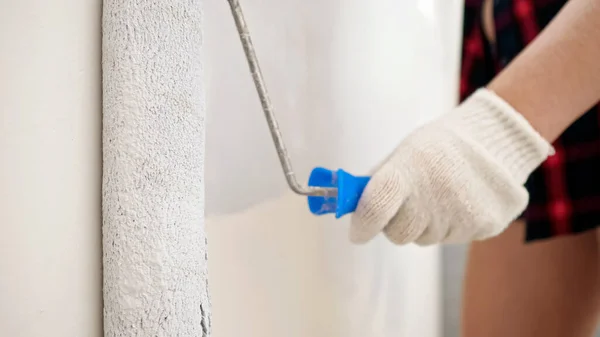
328 191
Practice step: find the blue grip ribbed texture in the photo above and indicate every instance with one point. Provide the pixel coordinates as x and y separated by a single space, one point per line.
349 188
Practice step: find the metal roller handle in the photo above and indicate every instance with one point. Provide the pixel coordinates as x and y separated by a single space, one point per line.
267 108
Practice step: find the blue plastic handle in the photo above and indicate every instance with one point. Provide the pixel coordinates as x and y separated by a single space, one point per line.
349 187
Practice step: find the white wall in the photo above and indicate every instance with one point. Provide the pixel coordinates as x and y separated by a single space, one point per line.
50 168
349 79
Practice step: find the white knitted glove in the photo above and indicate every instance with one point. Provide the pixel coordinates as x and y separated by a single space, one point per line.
457 179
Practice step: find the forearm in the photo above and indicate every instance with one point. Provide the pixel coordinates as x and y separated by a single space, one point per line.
557 77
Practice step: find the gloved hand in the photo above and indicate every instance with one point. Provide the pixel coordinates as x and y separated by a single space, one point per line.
457 179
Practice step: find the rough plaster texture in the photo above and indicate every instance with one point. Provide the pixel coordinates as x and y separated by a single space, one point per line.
50 169
155 281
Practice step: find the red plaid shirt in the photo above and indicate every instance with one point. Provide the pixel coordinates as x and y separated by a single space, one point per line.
565 190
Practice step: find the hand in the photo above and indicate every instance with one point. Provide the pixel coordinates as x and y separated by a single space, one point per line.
457 179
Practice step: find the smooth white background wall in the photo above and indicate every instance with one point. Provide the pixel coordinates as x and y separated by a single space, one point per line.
276 269
349 79
50 168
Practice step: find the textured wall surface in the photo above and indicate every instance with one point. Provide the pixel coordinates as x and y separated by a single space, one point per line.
155 281
50 168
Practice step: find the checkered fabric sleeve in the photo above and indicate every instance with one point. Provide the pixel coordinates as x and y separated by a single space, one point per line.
565 189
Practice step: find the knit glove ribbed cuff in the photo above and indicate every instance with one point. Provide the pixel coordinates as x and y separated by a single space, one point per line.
491 123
